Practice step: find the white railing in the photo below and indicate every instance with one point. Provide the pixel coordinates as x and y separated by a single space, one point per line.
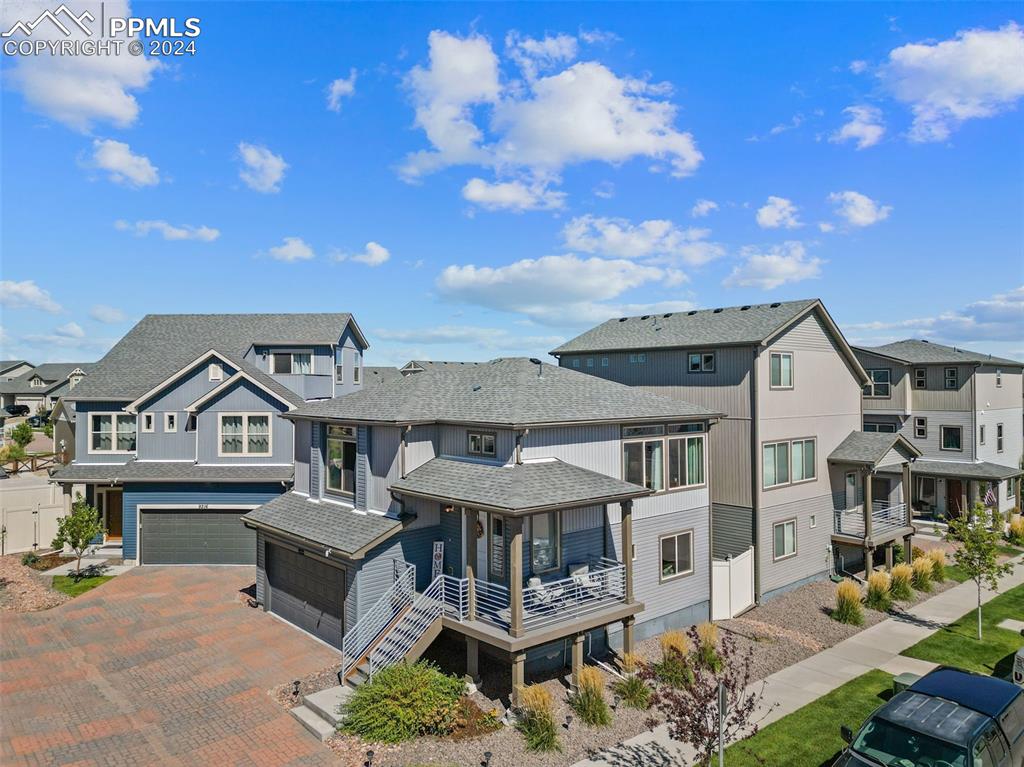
569 598
375 623
428 607
885 516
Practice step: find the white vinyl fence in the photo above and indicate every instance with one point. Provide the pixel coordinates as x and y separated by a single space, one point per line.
29 510
732 585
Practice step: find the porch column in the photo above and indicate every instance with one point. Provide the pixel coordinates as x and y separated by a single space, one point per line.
577 660
518 675
470 574
627 634
473 659
515 575
869 561
908 549
627 545
66 492
965 497
888 556
868 480
907 496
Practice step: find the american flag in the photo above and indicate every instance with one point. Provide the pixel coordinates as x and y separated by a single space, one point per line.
990 496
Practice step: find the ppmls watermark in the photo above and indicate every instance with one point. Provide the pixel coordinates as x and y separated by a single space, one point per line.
65 33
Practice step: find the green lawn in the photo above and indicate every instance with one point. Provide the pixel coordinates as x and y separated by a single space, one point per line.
956 644
954 573
809 737
67 584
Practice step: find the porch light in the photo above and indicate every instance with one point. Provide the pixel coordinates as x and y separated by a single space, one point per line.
295 688
568 721
369 759
615 703
449 509
487 759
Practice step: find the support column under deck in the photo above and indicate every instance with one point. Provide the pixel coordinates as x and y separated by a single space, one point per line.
908 549
627 634
627 545
473 659
518 675
577 660
515 576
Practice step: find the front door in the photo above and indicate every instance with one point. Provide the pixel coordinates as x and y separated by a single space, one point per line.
113 508
954 497
496 566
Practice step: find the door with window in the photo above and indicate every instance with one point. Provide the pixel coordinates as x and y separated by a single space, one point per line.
954 497
497 570
112 513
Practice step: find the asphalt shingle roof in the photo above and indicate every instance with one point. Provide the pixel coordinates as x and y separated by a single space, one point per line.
336 527
515 488
966 469
170 471
54 373
866 447
376 375
705 327
8 364
504 392
161 344
918 352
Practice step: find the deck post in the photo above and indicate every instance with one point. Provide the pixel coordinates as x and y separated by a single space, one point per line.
888 556
869 560
577 660
515 575
908 549
627 634
868 504
518 675
907 497
470 574
627 546
473 659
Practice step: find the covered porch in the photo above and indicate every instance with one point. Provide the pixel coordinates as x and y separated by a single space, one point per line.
945 489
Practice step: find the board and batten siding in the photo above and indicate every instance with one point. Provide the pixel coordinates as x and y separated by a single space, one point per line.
729 457
732 530
812 543
383 465
244 397
936 397
898 400
82 412
303 455
454 441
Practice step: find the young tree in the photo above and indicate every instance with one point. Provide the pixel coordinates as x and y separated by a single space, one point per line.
78 530
22 434
977 551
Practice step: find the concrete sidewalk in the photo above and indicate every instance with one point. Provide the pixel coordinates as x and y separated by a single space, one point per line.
795 686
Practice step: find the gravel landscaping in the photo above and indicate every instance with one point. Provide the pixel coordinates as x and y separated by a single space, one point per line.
23 590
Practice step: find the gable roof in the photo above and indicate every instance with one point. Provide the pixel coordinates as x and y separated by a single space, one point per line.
161 344
55 374
914 351
870 447
376 375
263 381
6 365
508 392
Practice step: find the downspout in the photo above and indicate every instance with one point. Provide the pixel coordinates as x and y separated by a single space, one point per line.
754 464
401 449
711 521
520 436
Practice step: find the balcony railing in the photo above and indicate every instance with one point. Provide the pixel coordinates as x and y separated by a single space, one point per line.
885 517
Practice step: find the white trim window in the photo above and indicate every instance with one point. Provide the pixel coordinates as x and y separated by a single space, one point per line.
789 462
880 383
999 379
780 375
216 370
981 434
244 433
1011 490
341 460
920 427
999 438
880 428
951 438
148 423
638 359
112 433
700 362
481 443
604 362
784 540
357 370
671 458
293 363
544 553
676 555
920 378
170 422
576 362
950 378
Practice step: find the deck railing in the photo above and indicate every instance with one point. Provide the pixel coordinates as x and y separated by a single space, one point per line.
885 517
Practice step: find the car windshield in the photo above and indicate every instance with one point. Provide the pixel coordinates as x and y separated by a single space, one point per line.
895 746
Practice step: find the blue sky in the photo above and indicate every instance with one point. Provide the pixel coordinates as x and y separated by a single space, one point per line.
474 181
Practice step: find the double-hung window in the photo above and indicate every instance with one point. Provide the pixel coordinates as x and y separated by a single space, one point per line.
920 427
294 363
341 460
780 370
544 542
481 443
661 457
1011 489
999 438
112 433
244 434
951 438
950 378
685 457
700 362
787 462
784 534
676 554
920 378
879 383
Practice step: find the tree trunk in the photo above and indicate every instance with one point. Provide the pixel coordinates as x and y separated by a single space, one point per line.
979 610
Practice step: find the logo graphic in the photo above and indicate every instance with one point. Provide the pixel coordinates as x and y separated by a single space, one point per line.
27 28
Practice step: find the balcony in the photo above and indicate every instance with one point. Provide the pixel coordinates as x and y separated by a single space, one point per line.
886 519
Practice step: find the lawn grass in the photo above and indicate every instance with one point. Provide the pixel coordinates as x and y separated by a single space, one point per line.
954 573
809 737
956 645
67 584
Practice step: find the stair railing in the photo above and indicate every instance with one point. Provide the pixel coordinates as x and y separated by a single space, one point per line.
395 645
375 623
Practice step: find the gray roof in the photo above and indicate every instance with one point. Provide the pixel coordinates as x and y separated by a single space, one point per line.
749 324
161 344
265 379
54 374
965 469
504 392
170 471
919 352
6 365
515 488
869 447
333 526
375 375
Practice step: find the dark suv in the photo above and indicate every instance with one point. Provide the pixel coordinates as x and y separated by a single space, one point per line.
14 410
949 718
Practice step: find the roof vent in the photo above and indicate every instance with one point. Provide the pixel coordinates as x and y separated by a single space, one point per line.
717 311
534 360
744 308
623 319
666 316
776 305
691 312
646 317
477 387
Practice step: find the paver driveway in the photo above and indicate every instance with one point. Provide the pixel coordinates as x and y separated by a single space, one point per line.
158 666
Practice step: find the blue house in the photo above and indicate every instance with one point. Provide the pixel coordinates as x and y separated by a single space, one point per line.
179 428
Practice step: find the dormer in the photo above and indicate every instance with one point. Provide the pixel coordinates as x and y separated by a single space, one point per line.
36 382
74 377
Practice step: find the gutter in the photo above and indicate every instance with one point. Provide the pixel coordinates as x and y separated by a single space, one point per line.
523 511
754 476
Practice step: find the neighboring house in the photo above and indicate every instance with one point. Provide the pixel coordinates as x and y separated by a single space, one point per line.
10 369
177 430
789 385
376 375
41 386
525 481
960 409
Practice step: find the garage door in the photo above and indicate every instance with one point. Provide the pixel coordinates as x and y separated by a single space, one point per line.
190 537
306 592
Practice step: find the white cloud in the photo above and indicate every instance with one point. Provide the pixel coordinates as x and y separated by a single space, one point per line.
778 212
374 254
598 37
865 126
777 266
70 330
292 249
123 166
553 289
702 208
618 238
825 226
511 195
77 91
108 315
339 89
263 170
795 122
534 56
168 231
858 66
605 190
858 209
978 73
27 295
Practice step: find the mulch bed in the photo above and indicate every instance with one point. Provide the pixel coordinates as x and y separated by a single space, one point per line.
50 561
22 589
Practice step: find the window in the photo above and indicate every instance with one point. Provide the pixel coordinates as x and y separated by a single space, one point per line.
679 455
544 542
1011 490
497 546
590 362
981 434
112 433
886 428
341 459
576 362
676 555
36 382
950 378
926 489
148 422
481 443
878 384
357 371
685 461
921 428
604 362
814 521
638 359
781 375
339 372
951 437
170 421
244 433
784 463
784 534
644 463
216 371
701 362
999 438
999 378
294 363
920 378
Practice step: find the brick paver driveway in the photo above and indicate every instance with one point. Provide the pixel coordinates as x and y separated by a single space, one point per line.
157 666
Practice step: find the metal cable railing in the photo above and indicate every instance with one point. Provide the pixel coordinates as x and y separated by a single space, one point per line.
375 623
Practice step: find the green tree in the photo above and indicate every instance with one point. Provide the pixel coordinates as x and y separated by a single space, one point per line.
977 551
22 434
77 530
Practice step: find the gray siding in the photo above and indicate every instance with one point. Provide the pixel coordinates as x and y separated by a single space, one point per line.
812 544
451 533
729 460
899 377
303 455
82 454
244 398
930 446
185 390
597 448
732 530
316 461
383 466
453 441
937 397
364 441
1013 436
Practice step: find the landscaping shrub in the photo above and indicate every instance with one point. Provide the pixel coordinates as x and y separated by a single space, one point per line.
404 701
707 646
848 609
899 588
1016 532
633 690
537 722
897 553
588 702
29 558
878 596
922 577
918 552
997 519
938 560
674 668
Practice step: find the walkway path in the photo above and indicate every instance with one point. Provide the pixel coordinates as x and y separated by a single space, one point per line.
794 687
